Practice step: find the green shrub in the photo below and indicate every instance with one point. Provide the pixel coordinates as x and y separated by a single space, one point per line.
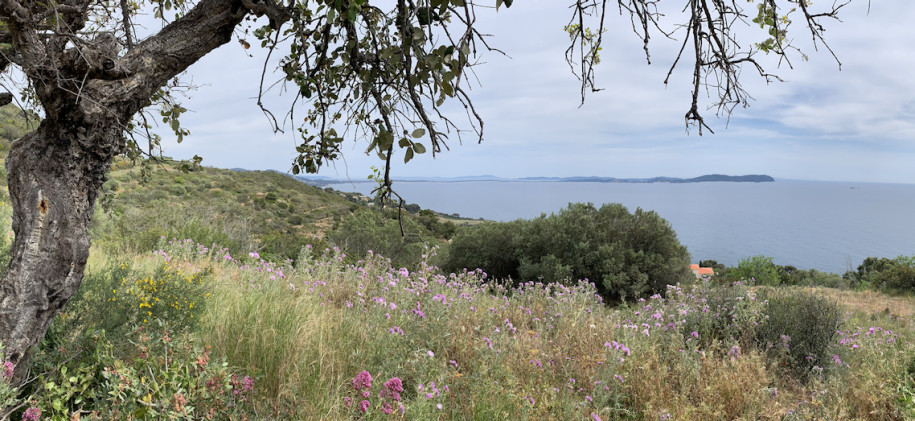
491 246
117 296
722 314
798 328
165 375
370 230
625 254
758 269
893 275
897 279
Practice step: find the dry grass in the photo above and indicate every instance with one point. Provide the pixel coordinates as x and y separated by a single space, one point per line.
870 302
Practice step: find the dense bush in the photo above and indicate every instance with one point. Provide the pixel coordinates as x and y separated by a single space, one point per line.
758 269
367 230
166 375
722 315
799 327
432 222
625 254
115 296
896 275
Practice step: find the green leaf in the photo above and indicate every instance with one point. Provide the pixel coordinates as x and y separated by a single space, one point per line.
403 142
385 140
418 133
408 156
419 148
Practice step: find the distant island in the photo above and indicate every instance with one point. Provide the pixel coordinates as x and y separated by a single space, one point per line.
752 178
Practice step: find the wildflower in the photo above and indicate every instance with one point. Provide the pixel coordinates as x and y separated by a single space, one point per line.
247 384
395 387
32 414
386 408
8 369
439 406
595 417
363 380
734 353
348 401
430 354
588 398
364 405
695 334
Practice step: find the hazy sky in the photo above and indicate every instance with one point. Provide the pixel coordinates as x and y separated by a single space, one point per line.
857 124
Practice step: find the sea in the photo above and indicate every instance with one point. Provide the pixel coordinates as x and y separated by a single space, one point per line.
828 226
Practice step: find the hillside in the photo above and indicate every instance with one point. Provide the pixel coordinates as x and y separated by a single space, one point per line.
266 212
244 210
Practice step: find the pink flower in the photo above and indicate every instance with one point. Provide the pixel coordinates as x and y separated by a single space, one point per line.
386 408
247 384
363 380
32 414
395 386
364 406
8 369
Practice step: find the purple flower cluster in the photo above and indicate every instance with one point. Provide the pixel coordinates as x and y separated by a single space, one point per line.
32 414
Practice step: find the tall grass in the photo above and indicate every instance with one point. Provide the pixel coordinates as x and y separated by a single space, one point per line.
468 349
457 346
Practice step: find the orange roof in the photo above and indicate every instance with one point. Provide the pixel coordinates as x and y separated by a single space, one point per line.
706 271
693 266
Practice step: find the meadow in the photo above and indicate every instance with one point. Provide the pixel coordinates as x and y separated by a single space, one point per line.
193 332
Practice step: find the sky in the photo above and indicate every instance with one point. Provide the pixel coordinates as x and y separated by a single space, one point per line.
821 123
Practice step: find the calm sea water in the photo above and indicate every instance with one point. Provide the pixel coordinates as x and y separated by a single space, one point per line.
829 226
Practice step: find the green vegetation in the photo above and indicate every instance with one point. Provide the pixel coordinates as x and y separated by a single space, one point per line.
289 341
626 255
758 269
894 275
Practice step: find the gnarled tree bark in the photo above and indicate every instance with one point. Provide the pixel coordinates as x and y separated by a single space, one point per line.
55 173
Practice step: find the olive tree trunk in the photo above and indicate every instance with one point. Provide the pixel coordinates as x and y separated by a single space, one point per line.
56 172
53 180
